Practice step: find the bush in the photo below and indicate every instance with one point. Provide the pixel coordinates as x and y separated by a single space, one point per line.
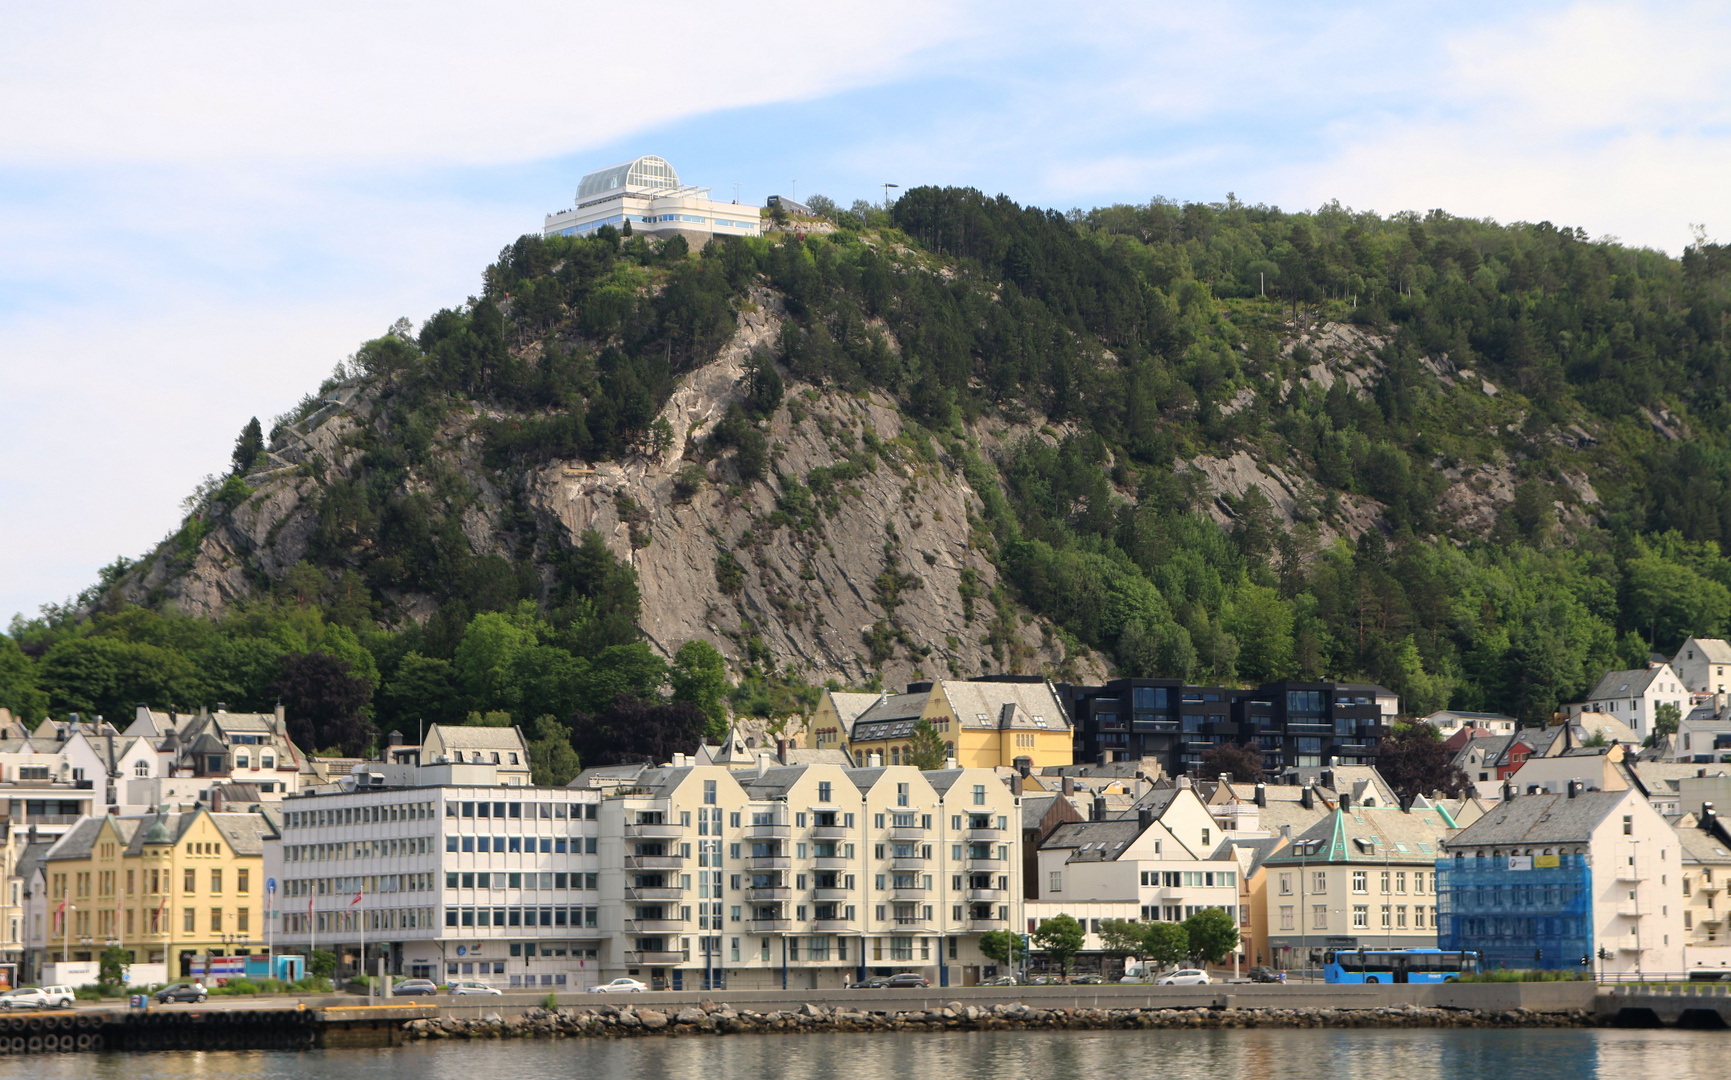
551 1001
89 992
1516 975
236 987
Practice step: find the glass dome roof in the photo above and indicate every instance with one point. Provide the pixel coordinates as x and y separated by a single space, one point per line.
647 173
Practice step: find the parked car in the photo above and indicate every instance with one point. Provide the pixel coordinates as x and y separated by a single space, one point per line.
39 997
1088 980
907 980
620 986
459 989
192 991
414 987
1262 973
1043 980
1000 980
1185 977
875 982
1135 979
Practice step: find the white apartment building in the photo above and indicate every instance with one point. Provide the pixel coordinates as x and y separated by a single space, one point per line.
1701 664
1706 844
447 874
647 194
1633 697
803 876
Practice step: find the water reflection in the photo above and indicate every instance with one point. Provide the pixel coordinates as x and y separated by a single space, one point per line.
1250 1055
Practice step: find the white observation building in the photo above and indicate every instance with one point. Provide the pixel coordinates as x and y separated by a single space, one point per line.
647 193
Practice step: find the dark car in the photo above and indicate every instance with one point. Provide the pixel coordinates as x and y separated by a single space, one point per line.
1086 980
414 987
907 980
876 982
181 992
1263 974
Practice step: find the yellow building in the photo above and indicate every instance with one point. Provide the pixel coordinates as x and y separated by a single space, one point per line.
166 887
984 725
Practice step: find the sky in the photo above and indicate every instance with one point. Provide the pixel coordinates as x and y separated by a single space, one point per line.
204 207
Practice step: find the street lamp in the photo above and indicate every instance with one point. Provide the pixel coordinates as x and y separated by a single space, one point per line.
887 194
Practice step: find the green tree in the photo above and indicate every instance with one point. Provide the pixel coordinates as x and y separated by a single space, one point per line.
926 747
112 968
248 448
1004 946
1414 761
18 690
1239 761
1061 937
1665 720
322 963
1212 934
1262 623
552 761
698 675
1122 937
1165 943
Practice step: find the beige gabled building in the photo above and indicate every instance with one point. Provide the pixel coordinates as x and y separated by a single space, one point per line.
984 724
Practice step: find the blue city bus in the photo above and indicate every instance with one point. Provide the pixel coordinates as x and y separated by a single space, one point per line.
1396 965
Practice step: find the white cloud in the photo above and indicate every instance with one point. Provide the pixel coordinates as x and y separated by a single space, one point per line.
426 81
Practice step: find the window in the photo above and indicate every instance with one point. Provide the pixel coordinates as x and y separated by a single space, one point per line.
1286 886
1628 825
1319 883
1205 834
187 920
1286 917
901 795
1319 917
141 768
243 920
823 793
190 884
1385 919
1057 883
980 797
1360 916
216 881
1360 884
1400 881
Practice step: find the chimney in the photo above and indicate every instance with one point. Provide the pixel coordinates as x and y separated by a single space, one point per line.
1016 785
216 799
1575 788
1025 766
1069 787
781 751
1346 802
874 760
1105 757
1707 816
1534 789
1186 782
1261 794
1144 818
394 738
1307 798
1328 779
762 762
1508 791
1286 833
1099 808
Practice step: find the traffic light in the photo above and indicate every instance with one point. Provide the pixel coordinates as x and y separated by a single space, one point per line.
1586 961
1604 953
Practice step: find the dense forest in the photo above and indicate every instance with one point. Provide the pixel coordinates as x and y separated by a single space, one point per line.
1132 339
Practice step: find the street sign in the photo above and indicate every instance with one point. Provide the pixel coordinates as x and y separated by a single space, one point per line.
270 884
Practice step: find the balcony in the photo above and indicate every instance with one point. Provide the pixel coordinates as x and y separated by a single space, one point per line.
1221 728
829 862
908 862
654 862
907 832
829 832
911 920
985 832
829 894
1625 872
1710 887
977 924
769 830
1629 909
830 926
654 926
772 893
770 926
910 893
660 830
654 892
983 862
982 896
769 862
655 959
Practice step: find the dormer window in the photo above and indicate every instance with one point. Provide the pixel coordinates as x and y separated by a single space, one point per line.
241 760
267 761
513 757
141 768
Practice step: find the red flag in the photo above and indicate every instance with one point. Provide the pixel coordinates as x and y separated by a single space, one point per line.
60 913
359 893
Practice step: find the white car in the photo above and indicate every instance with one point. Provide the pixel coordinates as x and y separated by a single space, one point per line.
38 997
1185 977
460 989
619 986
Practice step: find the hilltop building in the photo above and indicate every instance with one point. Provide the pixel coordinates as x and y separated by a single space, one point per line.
646 193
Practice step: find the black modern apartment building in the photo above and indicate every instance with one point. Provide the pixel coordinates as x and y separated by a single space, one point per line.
1294 724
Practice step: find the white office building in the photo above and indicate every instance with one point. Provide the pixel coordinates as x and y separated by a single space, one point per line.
445 872
647 194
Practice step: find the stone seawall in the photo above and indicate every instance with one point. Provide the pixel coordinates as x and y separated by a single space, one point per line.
710 1018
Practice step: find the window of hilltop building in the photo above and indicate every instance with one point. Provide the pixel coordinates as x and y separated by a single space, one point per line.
141 768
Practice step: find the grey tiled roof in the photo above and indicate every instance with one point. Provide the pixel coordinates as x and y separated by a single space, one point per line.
1542 819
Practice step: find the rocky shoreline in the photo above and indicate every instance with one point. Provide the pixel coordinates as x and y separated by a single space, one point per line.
709 1018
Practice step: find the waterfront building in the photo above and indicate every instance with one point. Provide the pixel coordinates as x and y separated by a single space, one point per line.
1706 844
1547 880
168 888
647 195
1360 876
447 872
984 723
804 876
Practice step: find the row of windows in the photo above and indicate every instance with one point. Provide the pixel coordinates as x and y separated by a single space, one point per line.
1188 879
357 815
155 921
1396 878
1487 896
336 922
523 845
156 881
544 811
376 883
358 849
1393 917
521 916
483 880
1176 912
